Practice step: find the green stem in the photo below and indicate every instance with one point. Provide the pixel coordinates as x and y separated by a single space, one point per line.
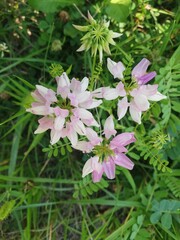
92 73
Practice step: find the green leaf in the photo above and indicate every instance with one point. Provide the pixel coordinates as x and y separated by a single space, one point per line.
52 6
176 106
156 110
70 31
118 9
43 24
55 152
166 220
155 217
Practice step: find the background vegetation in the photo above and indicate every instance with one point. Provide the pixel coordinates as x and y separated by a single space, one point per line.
43 195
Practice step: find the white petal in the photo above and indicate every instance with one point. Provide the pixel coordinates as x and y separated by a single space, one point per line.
135 113
141 102
94 104
81 48
79 127
63 80
55 136
73 137
84 114
84 84
59 123
83 97
157 97
110 93
97 93
83 146
92 136
115 35
120 89
109 127
88 166
42 90
116 69
122 108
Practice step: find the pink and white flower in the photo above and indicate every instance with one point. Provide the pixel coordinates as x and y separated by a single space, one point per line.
65 112
136 99
108 153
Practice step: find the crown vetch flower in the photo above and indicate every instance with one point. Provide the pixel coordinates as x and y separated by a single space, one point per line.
137 96
98 37
65 112
107 152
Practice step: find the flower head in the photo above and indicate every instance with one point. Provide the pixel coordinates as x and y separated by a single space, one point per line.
136 95
65 112
108 152
98 37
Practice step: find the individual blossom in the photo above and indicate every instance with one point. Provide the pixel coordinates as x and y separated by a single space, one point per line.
97 38
108 151
136 95
65 111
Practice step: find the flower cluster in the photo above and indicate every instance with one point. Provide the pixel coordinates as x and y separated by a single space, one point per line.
64 111
107 151
67 113
136 95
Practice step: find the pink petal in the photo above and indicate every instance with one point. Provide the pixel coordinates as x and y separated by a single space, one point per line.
78 126
120 89
123 161
148 90
109 168
61 112
63 91
96 176
109 127
92 136
83 146
38 97
90 122
146 78
141 68
45 123
123 139
38 109
73 99
59 123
